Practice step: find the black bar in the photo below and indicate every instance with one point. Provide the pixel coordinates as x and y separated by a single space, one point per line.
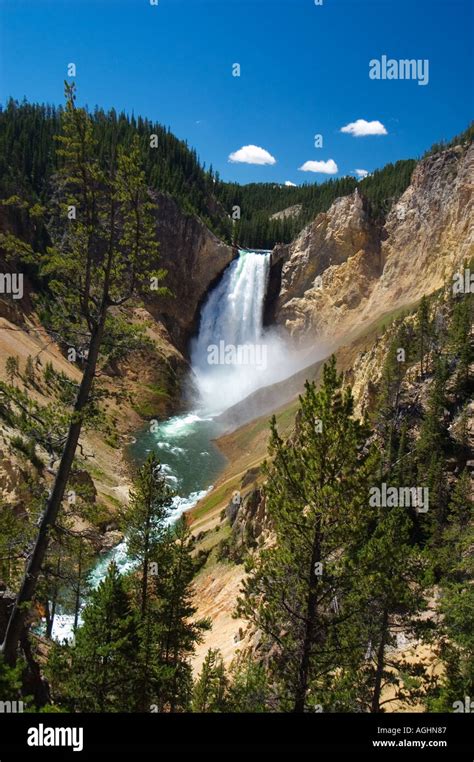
442 734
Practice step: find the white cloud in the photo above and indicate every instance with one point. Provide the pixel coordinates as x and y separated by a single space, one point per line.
290 184
252 155
360 128
328 167
361 173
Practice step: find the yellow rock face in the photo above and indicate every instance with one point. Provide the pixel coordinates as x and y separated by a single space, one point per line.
343 271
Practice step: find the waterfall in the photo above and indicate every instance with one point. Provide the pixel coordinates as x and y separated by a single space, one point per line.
233 311
230 354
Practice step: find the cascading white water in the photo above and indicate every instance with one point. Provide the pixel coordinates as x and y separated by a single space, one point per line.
232 355
234 309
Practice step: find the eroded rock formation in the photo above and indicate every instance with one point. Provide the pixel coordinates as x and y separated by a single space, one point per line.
344 270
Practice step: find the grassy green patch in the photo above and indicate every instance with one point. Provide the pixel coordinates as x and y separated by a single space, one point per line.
98 474
220 496
382 323
151 396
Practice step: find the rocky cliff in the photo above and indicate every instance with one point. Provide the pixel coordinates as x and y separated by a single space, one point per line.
345 269
194 258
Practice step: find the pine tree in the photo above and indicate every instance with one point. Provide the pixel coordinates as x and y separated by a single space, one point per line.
98 260
210 687
389 573
64 581
389 569
431 447
433 435
387 411
15 534
460 343
453 553
30 371
248 689
144 519
99 673
146 524
12 369
174 631
454 640
10 681
423 328
317 498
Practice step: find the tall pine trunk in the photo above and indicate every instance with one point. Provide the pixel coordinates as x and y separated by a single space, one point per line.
51 612
146 556
77 602
380 663
311 615
23 602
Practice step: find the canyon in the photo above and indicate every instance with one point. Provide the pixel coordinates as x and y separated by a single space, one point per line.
332 288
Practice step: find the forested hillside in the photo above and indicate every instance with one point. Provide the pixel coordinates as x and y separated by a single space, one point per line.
258 201
28 157
27 161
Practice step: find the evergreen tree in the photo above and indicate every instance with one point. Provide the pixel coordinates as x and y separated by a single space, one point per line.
387 409
317 498
145 522
174 632
460 343
15 534
64 581
30 371
10 681
431 448
144 519
433 434
99 259
210 687
389 586
248 689
99 673
454 639
423 329
12 369
389 570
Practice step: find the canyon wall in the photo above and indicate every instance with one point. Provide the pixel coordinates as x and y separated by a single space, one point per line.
345 270
194 258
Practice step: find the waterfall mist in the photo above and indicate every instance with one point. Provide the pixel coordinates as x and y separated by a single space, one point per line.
233 354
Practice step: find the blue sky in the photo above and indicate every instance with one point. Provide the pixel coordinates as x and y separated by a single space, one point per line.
304 71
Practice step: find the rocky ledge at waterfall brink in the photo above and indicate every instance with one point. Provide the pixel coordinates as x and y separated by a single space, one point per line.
345 269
